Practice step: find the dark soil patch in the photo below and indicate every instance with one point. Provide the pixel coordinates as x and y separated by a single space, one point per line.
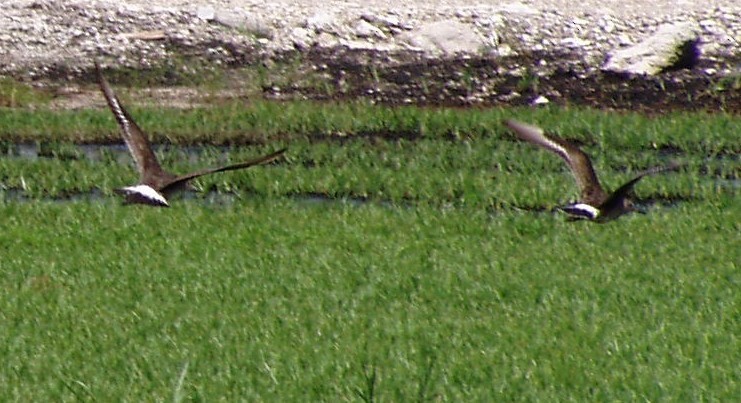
511 81
409 78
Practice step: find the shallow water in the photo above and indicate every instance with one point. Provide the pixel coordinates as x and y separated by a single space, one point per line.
119 153
210 197
215 198
104 152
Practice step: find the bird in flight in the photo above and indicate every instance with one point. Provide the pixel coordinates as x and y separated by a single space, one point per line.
596 204
155 184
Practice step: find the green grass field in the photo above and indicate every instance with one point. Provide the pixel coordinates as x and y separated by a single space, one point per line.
452 281
276 300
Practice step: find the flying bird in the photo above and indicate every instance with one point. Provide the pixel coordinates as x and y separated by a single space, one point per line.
596 204
155 184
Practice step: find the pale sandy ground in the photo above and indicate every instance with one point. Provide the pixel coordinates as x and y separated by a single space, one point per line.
655 8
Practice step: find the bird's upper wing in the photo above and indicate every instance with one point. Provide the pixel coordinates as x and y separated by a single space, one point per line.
134 137
576 159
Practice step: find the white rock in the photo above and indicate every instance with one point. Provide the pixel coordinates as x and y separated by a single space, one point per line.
518 8
321 22
579 21
326 40
364 29
301 37
229 19
257 26
575 43
206 13
541 100
656 53
495 20
363 45
504 50
624 40
446 37
607 25
463 13
707 24
387 20
390 20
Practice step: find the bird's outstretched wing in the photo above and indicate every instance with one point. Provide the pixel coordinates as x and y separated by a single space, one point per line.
242 165
134 137
576 159
623 191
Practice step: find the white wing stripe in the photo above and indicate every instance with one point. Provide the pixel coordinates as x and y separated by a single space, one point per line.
582 209
148 193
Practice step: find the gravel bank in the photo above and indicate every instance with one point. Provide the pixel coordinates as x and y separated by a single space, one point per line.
456 52
36 35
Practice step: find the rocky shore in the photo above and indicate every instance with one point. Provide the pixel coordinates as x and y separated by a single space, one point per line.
544 39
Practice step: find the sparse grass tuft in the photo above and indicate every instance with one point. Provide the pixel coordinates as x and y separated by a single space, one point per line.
177 71
14 94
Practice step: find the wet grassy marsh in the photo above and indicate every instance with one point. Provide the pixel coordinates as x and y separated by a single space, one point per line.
452 280
367 151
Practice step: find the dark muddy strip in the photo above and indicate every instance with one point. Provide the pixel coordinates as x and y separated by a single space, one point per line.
487 81
103 152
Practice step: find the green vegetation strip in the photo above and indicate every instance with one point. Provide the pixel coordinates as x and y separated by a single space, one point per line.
402 155
496 174
454 282
273 300
235 122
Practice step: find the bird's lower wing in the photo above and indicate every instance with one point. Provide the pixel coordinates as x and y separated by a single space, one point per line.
242 165
627 187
